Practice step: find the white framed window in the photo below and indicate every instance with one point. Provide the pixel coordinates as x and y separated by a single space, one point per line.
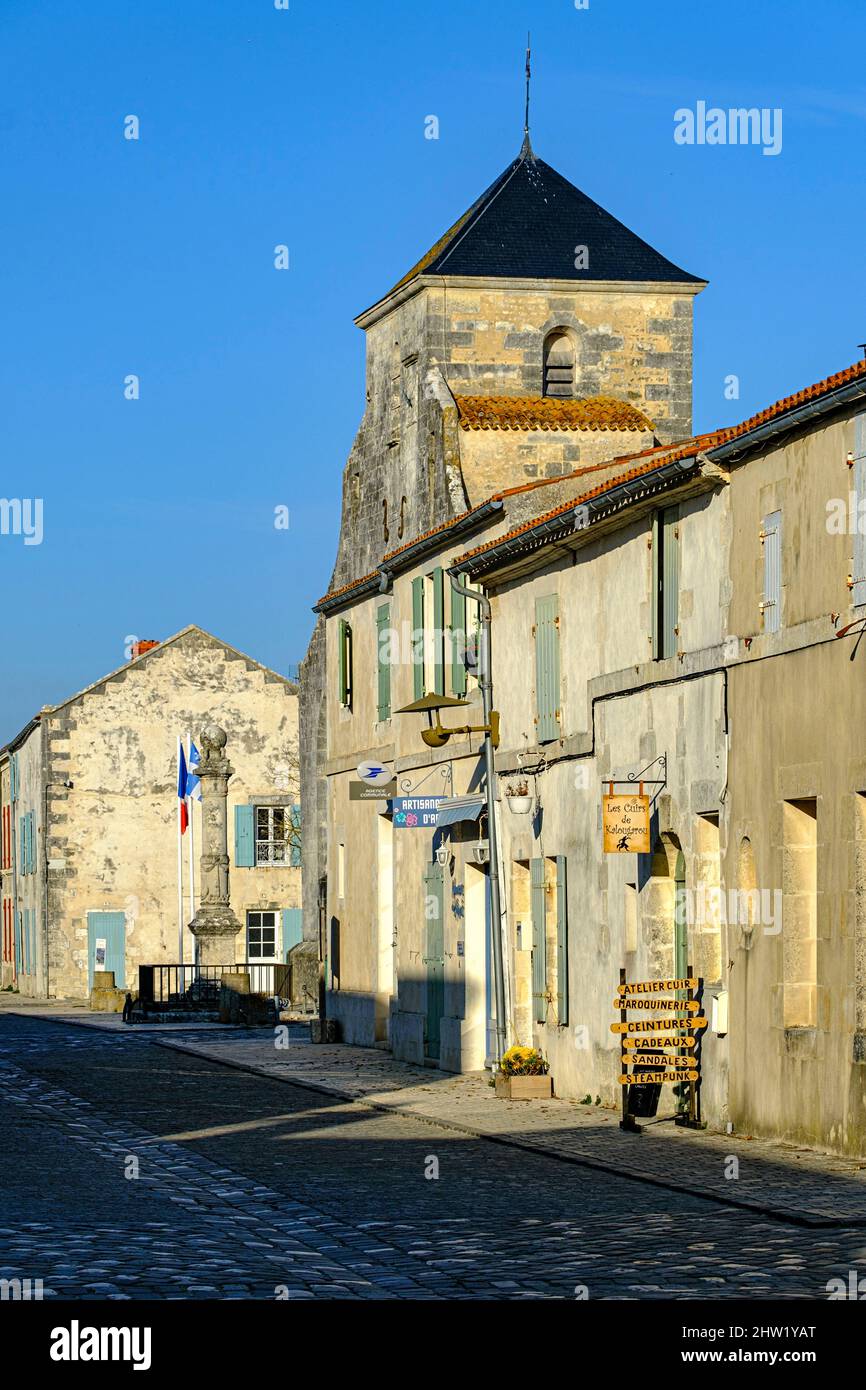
261 937
271 835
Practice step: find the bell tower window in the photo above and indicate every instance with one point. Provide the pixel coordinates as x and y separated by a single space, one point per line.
558 364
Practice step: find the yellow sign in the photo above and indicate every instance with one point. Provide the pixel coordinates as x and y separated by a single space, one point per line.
658 1006
657 986
655 1041
655 1078
626 824
658 1059
658 1025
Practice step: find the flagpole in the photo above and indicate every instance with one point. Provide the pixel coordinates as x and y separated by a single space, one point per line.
179 878
190 806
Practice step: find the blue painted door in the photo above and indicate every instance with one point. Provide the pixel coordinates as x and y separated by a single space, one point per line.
109 927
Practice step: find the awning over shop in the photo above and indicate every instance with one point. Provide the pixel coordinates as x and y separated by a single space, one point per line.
453 809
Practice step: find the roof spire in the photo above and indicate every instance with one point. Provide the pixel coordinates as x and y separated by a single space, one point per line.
526 151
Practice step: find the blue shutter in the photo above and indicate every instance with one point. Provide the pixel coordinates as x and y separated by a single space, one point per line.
245 840
383 660
539 940
293 928
418 636
27 941
670 580
439 631
295 851
18 962
858 569
13 777
655 604
112 927
22 845
772 602
31 842
458 642
547 667
561 940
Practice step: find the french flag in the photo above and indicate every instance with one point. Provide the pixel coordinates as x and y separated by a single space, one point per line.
182 791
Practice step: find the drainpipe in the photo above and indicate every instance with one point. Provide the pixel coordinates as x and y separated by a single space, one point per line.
486 683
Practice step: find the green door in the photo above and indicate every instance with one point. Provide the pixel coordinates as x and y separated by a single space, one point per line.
434 911
106 933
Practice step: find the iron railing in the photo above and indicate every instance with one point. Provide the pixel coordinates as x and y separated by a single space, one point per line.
188 986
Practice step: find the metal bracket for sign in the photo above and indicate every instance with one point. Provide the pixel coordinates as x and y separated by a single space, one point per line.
641 779
408 788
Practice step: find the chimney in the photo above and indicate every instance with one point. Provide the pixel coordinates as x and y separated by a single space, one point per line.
141 646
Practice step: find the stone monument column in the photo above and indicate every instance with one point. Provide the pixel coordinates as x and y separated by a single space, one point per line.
214 925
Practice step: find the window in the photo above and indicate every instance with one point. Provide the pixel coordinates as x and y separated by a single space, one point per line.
271 837
383 661
771 540
666 583
558 364
546 633
549 917
800 913
261 936
344 657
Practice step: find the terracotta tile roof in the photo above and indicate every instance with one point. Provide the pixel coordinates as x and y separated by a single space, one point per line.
346 588
548 413
622 474
810 393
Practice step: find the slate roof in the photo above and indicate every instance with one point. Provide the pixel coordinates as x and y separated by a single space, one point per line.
548 413
527 224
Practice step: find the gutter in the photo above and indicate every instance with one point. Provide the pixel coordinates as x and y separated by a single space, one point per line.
400 560
574 519
791 420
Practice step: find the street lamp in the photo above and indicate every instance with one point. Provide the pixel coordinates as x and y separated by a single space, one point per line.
437 735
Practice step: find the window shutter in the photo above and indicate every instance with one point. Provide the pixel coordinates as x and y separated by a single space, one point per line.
656 588
858 569
458 642
295 842
418 635
344 639
245 840
561 940
439 631
13 777
539 940
772 603
383 660
22 845
293 928
670 580
434 887
31 842
547 667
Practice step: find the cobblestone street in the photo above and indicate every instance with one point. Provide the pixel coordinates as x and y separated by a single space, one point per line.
136 1170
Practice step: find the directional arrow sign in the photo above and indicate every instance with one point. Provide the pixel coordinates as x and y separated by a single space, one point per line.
676 1006
654 1078
657 986
658 1025
657 1040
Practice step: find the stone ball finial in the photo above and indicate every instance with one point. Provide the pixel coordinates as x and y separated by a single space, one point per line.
213 738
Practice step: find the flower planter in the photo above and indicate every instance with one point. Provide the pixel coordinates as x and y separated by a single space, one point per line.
524 1087
519 805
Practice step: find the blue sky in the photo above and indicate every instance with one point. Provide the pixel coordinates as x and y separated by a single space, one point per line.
305 127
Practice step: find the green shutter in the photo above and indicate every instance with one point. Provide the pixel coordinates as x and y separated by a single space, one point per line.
245 840
439 631
295 842
344 641
293 928
547 667
31 842
383 660
561 940
858 571
539 940
418 635
656 588
670 580
458 642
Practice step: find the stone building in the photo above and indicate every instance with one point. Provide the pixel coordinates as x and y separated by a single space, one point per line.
88 808
661 605
536 336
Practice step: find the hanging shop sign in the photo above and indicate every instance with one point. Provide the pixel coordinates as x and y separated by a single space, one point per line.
625 823
415 812
670 1055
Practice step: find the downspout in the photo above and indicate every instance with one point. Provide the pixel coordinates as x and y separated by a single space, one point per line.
46 772
486 683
